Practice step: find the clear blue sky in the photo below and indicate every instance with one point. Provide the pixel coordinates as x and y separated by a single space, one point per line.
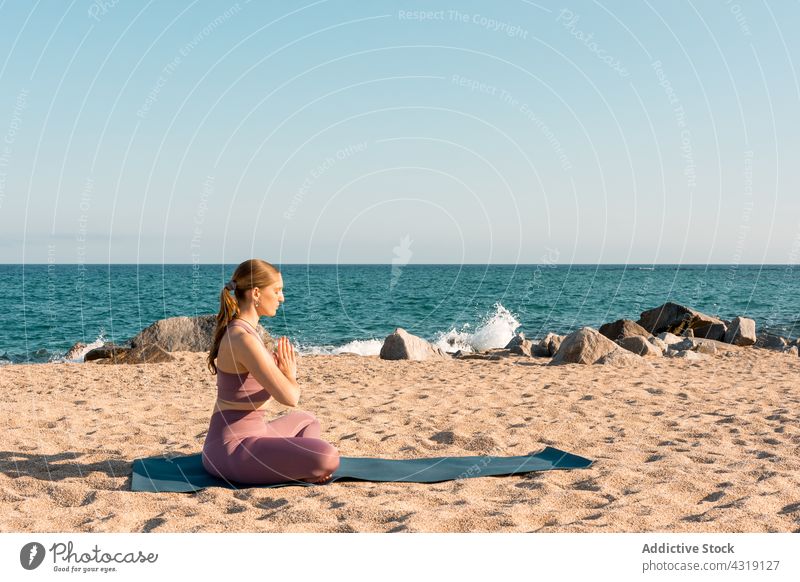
425 132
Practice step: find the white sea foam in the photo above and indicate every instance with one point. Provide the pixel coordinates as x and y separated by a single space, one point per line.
495 331
370 347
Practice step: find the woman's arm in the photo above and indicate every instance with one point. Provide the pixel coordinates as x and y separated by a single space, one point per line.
261 364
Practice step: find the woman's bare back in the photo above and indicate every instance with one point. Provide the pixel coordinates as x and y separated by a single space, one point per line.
226 359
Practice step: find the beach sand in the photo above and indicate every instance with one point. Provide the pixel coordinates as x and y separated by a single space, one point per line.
679 446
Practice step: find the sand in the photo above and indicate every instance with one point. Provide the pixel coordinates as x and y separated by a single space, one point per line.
680 446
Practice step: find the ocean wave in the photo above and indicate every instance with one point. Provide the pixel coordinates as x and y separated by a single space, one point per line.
495 331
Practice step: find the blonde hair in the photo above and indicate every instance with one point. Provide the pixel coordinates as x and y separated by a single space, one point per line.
249 274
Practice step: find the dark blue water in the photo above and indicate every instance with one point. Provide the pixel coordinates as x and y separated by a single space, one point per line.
335 308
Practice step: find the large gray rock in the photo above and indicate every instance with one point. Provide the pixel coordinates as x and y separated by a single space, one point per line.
622 328
179 334
640 346
713 331
741 332
585 346
401 345
674 318
771 341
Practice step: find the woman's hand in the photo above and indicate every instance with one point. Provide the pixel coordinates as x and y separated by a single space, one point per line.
285 358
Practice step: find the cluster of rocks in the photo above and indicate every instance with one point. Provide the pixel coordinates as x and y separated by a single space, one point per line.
670 330
155 343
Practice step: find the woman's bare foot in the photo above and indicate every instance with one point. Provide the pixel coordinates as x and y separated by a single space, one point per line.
319 480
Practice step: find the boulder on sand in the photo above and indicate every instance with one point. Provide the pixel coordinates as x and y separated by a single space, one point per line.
622 328
179 334
675 318
669 338
144 354
551 342
401 345
585 346
640 346
712 331
104 351
622 358
519 345
771 341
741 332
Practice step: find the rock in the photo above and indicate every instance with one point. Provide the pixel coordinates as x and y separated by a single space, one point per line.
794 350
104 351
144 354
741 332
185 334
517 340
658 342
690 355
541 351
401 345
519 345
714 331
75 351
687 333
669 338
674 318
770 341
621 358
622 328
551 342
686 343
639 345
702 345
706 348
585 346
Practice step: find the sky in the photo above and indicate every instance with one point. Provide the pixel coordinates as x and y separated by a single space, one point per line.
423 132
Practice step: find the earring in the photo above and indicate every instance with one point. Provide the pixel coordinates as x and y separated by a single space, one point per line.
256 302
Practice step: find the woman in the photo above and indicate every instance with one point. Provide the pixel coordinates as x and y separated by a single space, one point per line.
239 446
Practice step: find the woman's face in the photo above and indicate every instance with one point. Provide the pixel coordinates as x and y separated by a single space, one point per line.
270 298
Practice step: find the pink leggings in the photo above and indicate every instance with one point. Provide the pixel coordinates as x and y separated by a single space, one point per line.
240 447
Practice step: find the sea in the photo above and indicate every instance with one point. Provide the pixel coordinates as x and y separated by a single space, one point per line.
351 308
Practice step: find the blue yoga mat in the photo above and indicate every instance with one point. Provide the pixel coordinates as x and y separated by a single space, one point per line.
185 474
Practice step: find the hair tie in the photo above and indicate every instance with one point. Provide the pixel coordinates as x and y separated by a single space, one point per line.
230 285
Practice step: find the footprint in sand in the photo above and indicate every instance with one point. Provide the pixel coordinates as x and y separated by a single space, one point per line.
151 524
711 497
791 508
445 437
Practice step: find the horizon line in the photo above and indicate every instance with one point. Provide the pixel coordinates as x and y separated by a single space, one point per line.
434 264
